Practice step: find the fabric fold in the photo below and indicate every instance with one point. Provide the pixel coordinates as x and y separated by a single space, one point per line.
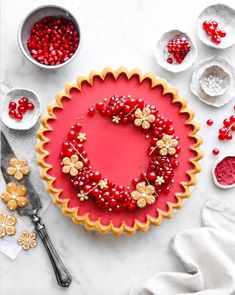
207 253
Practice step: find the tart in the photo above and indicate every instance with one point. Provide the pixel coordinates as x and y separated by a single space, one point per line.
119 150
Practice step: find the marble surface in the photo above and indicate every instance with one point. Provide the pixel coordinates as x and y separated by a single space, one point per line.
115 33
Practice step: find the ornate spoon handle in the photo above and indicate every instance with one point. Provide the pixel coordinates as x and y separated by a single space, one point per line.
63 277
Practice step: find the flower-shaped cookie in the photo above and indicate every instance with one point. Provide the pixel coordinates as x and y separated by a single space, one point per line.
167 145
27 240
18 168
7 225
81 137
143 194
82 196
71 165
15 196
144 118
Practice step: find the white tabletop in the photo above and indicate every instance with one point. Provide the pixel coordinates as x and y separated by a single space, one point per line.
116 33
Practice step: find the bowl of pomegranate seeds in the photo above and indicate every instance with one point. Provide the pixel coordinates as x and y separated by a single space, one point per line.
49 37
216 26
20 109
175 51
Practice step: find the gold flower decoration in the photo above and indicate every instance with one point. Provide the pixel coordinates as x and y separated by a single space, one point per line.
81 137
144 118
18 168
82 196
116 119
167 145
7 225
103 183
27 240
143 194
15 196
71 165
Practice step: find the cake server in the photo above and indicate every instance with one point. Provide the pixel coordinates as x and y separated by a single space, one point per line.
62 275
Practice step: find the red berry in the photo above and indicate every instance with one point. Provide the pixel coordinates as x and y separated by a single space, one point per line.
209 122
214 24
216 39
12 113
227 122
228 136
12 105
30 106
170 60
215 151
206 24
21 109
23 101
232 118
100 106
91 111
223 131
18 116
221 33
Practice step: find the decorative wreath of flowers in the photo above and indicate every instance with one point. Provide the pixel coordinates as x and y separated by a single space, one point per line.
143 191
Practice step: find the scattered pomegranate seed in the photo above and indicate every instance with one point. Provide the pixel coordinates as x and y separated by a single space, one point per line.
211 27
53 41
170 60
209 122
215 151
178 48
16 110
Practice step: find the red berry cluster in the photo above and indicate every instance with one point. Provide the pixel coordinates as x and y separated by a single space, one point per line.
211 27
228 126
177 48
53 40
19 108
117 197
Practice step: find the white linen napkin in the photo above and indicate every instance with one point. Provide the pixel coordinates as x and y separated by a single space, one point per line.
207 253
22 143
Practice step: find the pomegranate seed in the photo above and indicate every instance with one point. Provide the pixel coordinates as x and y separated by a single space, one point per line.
178 47
215 151
170 60
221 33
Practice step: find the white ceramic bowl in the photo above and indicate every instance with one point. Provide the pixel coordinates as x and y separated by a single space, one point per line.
35 16
225 16
30 118
161 53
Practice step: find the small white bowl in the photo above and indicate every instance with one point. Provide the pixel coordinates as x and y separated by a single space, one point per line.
227 73
225 16
161 52
30 118
35 16
216 181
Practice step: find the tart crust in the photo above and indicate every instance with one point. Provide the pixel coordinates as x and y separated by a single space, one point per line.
74 212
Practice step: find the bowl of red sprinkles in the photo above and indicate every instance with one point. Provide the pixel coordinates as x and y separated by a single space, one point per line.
49 37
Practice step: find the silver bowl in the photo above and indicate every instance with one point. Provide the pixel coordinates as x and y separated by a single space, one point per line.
35 16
